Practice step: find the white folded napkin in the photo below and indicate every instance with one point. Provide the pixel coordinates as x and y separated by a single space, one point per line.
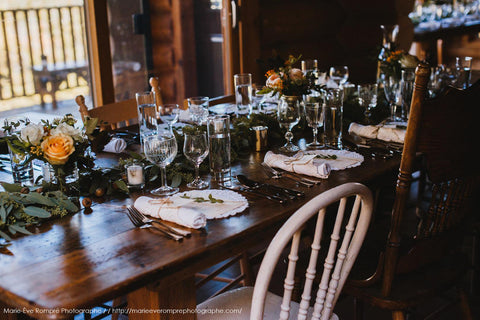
115 145
303 164
165 209
391 133
385 132
185 116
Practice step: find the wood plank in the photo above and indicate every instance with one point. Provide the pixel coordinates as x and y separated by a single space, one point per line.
175 302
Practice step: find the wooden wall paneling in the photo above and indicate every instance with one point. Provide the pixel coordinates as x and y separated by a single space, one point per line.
250 34
99 53
231 40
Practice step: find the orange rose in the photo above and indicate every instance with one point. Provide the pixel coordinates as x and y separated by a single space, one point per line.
58 148
274 81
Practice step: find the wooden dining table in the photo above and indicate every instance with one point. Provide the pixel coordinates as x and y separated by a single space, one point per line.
74 263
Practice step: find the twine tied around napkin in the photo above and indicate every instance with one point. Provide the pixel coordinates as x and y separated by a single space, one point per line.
385 132
299 163
167 210
115 145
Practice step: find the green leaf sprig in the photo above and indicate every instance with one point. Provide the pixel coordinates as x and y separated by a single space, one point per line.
210 199
18 211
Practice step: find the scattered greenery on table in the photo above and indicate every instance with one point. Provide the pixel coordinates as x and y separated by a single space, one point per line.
20 209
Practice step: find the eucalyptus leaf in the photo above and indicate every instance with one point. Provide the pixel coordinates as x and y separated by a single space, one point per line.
176 181
35 197
3 214
12 230
20 229
122 185
5 236
37 212
11 187
68 205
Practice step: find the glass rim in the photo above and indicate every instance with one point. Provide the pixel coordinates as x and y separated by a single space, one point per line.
242 75
144 93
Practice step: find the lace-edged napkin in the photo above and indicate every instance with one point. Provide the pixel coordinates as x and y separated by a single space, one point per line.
193 208
115 145
318 163
384 132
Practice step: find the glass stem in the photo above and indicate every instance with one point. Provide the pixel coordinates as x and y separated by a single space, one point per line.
315 136
163 176
197 171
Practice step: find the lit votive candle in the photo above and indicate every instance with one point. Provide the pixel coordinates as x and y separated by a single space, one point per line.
135 177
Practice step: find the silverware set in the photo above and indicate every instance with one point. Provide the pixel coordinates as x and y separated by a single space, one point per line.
273 173
141 221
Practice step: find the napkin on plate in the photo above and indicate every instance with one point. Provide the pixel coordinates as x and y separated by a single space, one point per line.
115 145
385 132
165 209
302 164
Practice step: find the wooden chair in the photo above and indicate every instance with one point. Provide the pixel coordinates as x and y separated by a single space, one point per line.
118 114
347 236
424 259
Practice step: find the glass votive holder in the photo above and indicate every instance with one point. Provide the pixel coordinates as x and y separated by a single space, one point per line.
135 175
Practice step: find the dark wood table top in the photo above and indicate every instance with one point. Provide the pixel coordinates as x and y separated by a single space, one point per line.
87 258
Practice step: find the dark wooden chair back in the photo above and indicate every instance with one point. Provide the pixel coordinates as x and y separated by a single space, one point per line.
118 114
443 131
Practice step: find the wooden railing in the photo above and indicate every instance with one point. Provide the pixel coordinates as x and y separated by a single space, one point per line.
27 35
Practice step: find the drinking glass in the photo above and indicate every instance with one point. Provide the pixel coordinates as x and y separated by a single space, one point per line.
463 66
310 66
367 96
406 91
146 107
333 118
198 107
314 115
195 149
339 74
161 150
168 114
391 86
243 93
22 169
218 129
288 116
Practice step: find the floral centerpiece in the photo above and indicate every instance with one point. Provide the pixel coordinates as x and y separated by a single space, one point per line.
287 80
397 60
60 143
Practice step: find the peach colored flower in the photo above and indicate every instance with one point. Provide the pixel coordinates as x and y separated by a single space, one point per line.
274 81
295 74
57 148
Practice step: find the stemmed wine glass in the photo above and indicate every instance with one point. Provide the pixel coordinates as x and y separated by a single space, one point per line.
391 86
367 96
195 148
168 114
314 115
288 116
339 74
161 150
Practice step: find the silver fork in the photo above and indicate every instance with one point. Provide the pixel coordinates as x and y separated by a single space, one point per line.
276 174
143 225
143 218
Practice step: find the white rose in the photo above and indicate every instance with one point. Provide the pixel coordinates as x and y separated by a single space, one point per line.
68 130
296 74
32 133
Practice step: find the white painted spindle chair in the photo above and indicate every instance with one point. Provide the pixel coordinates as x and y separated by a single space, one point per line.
257 303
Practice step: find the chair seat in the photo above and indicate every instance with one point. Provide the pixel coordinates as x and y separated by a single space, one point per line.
241 299
431 280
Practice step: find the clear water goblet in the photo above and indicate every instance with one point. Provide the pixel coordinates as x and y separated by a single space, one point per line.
195 149
339 74
168 114
314 116
198 107
288 116
161 150
392 88
367 97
